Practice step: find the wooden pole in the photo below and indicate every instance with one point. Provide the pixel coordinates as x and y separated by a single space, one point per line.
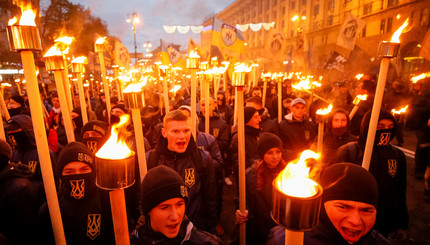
119 217
105 85
264 93
82 99
320 135
279 101
18 85
90 108
140 145
166 96
353 111
241 160
374 118
293 237
66 85
235 109
193 102
3 106
42 146
160 99
207 116
67 119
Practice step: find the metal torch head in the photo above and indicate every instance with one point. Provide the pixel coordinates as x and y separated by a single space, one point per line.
23 38
296 213
114 174
78 68
53 63
133 100
388 49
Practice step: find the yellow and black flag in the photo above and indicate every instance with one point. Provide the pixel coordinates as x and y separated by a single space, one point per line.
170 55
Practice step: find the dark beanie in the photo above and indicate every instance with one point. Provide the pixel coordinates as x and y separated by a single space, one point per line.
19 99
268 141
98 126
160 184
74 152
120 106
248 113
347 181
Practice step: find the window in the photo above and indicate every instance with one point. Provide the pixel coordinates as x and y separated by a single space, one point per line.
331 5
391 3
261 7
382 27
267 4
363 32
283 10
347 1
330 20
389 24
275 2
291 33
274 15
315 26
367 9
424 15
283 24
293 5
304 2
316 10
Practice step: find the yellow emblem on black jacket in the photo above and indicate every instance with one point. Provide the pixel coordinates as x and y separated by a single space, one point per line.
93 225
190 179
78 188
392 167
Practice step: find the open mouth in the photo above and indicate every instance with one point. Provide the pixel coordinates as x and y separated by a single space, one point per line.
180 144
351 232
172 228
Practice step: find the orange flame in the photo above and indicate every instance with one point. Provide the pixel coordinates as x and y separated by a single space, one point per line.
80 60
362 96
396 35
53 51
115 147
242 67
359 76
135 87
303 84
175 89
420 77
12 21
294 179
325 111
27 17
101 40
401 111
193 54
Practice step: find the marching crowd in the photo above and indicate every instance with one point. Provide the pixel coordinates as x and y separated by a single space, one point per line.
180 199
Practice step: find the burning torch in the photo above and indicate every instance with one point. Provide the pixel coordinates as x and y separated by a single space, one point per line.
239 82
193 64
387 50
356 103
114 172
78 67
279 80
265 80
321 118
54 62
296 199
24 38
63 44
100 48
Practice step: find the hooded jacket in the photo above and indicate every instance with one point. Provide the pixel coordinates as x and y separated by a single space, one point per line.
388 166
219 128
297 136
251 141
267 124
195 166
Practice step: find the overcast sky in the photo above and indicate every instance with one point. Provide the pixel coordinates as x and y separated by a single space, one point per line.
153 15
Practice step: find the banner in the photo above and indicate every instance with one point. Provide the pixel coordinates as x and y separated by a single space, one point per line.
170 55
192 46
336 61
227 39
425 46
275 45
121 55
349 31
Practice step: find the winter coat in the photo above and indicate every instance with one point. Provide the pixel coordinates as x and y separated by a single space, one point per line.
267 124
259 180
297 136
388 166
197 169
251 141
188 235
219 128
226 112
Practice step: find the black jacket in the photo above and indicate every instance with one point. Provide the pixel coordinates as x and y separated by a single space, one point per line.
267 124
251 141
219 128
198 171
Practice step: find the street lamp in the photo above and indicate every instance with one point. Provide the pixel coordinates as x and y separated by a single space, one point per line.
134 19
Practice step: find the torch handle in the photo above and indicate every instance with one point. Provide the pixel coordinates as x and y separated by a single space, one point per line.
279 102
264 93
379 94
166 96
320 136
42 146
119 217
293 237
140 145
89 99
241 160
193 102
82 99
64 106
207 118
353 111
3 107
66 85
105 84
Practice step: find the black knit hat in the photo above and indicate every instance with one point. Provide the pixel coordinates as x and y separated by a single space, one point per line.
160 184
98 126
268 141
120 106
18 98
248 113
74 152
347 181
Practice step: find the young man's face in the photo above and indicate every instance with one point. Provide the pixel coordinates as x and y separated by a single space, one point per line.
56 102
256 93
352 219
385 124
273 157
255 120
203 106
73 168
339 120
178 135
91 134
219 99
167 216
298 111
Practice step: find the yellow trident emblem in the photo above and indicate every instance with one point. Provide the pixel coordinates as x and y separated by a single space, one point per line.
189 177
93 225
385 139
32 166
92 145
392 167
78 188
